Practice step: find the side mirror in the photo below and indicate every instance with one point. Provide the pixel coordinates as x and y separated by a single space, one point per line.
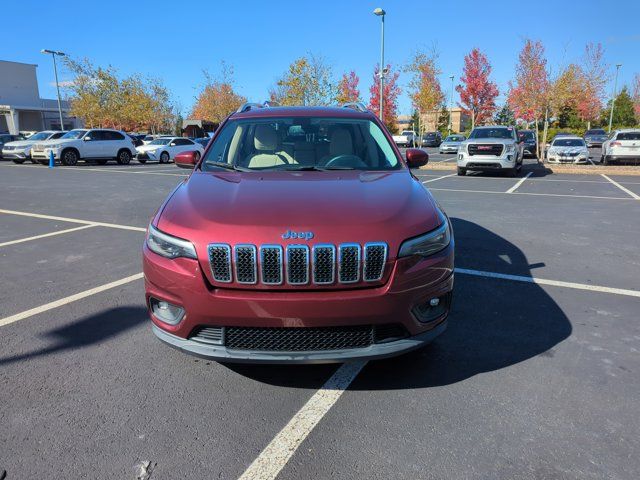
86 138
416 158
186 159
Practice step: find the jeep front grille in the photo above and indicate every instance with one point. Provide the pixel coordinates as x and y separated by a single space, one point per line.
298 264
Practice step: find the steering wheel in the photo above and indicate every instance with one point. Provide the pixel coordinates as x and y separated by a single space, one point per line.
346 161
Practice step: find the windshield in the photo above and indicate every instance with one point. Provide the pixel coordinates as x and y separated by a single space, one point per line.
325 143
569 142
39 136
160 141
454 138
429 135
75 134
526 136
492 133
628 136
596 132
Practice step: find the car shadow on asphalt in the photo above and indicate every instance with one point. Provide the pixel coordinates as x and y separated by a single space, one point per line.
493 324
85 332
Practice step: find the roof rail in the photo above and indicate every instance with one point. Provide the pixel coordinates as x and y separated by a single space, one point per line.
248 106
359 106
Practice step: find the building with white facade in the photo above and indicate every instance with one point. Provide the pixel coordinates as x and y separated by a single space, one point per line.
21 108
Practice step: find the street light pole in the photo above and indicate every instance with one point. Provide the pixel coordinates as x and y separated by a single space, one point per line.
613 100
55 71
381 13
451 105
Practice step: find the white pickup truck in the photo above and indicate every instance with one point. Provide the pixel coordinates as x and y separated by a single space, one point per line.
406 139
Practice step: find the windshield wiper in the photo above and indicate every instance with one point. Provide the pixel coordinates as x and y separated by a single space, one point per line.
228 166
318 169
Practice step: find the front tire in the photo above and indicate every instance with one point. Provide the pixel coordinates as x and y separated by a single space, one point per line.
462 171
69 158
19 161
164 157
124 157
142 160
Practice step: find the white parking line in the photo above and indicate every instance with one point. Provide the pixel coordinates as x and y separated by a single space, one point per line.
74 220
101 170
554 283
275 456
64 301
449 159
520 182
528 193
439 178
625 190
45 235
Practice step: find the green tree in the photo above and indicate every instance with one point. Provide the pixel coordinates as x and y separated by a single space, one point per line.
623 112
443 120
178 126
505 116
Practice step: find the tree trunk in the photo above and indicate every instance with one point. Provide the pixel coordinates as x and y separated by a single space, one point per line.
545 131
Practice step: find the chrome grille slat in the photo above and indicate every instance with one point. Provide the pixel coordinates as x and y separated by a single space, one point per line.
246 264
375 256
220 262
324 264
349 263
297 264
271 264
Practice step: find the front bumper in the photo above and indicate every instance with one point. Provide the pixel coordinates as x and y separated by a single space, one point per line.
15 154
486 162
147 155
44 154
568 160
413 282
375 351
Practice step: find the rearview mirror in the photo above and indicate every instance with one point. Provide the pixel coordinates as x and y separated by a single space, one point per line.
416 158
187 159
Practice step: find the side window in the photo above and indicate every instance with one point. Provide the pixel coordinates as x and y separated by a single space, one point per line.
109 135
92 136
183 141
56 135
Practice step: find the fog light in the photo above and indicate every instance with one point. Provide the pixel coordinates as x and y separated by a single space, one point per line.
165 311
433 309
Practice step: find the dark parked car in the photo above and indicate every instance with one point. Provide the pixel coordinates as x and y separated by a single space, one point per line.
204 141
136 139
595 137
431 139
528 137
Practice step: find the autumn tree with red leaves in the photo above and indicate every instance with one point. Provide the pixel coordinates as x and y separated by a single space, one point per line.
390 97
348 88
529 93
477 92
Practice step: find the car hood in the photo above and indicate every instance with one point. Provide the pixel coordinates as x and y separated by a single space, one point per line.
21 143
146 147
498 141
338 207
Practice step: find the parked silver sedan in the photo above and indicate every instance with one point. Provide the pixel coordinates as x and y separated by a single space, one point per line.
451 143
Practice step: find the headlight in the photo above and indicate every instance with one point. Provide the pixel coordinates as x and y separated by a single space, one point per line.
169 246
429 243
510 148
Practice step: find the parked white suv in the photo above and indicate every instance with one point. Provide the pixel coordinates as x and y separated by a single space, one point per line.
99 144
622 146
494 148
164 149
20 150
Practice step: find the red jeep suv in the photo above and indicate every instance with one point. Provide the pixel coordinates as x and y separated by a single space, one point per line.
300 237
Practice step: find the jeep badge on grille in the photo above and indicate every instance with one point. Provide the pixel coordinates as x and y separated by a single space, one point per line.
301 235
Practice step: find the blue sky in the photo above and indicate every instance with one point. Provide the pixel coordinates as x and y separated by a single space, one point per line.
175 41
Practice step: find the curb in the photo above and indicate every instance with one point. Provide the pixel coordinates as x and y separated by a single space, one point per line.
566 169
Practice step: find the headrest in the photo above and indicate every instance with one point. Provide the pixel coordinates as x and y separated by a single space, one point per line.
341 143
265 138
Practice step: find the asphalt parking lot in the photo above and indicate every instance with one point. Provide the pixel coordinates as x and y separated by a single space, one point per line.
535 378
